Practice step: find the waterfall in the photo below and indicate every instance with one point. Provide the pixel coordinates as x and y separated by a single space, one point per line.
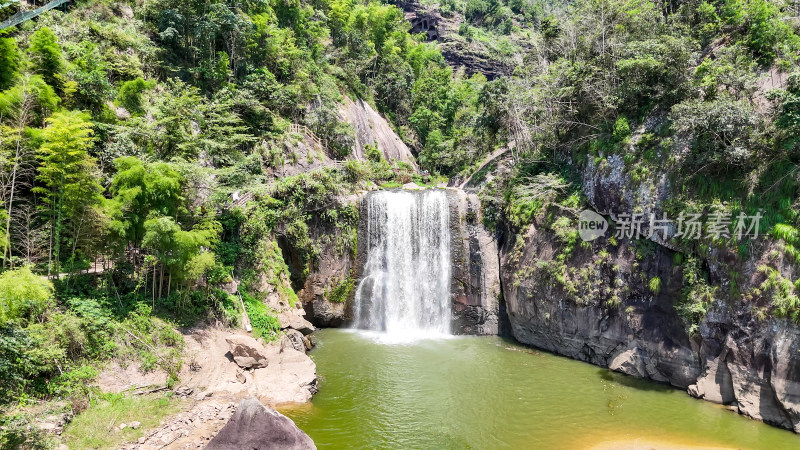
405 283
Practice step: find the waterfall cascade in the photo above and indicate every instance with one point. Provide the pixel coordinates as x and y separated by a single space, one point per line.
405 283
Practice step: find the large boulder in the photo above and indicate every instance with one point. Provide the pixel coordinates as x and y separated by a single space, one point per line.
292 320
372 129
254 426
290 378
295 340
247 352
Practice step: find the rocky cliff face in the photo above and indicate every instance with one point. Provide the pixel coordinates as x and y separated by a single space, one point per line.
751 364
601 312
327 290
475 286
372 129
612 319
597 303
457 50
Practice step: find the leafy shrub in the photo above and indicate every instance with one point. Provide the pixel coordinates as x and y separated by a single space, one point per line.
76 385
355 171
15 367
342 139
46 56
342 290
373 153
264 322
9 61
621 129
154 342
696 297
724 133
130 94
476 10
765 29
783 294
791 239
18 431
24 295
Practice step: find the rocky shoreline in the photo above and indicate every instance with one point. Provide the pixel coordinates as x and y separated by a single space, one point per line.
614 320
225 368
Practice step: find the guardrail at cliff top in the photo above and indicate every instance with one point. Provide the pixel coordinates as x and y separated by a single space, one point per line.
24 16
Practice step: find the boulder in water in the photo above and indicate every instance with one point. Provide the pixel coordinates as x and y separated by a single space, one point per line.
253 426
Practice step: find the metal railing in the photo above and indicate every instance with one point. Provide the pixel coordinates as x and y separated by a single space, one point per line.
24 16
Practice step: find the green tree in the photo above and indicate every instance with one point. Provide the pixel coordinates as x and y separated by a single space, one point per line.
46 58
28 102
4 240
68 176
9 61
765 29
141 190
788 112
176 250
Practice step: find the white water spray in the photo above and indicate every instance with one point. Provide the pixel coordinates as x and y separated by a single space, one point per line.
405 287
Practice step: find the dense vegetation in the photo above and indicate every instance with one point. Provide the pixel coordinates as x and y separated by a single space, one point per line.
699 97
126 127
124 130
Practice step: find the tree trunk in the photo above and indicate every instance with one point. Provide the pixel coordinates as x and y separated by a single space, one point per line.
50 250
154 286
22 119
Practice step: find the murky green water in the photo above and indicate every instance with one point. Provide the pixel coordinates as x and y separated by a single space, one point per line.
487 393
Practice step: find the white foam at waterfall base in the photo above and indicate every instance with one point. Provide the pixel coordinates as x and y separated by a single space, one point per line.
404 292
395 338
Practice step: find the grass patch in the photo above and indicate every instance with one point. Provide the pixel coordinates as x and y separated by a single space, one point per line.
262 318
98 426
391 185
342 290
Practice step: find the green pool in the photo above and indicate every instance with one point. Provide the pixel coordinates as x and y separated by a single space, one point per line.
488 393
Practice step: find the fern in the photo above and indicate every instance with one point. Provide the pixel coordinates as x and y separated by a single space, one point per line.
790 237
783 292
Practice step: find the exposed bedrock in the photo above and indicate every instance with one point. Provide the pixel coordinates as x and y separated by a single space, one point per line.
612 319
475 287
598 305
336 265
643 336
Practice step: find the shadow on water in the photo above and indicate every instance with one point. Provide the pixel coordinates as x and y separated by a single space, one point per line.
633 382
605 374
